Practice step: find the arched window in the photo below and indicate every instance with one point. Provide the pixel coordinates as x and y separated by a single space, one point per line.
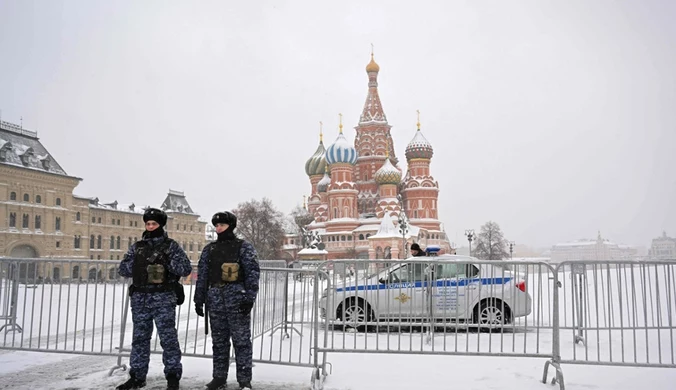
38 199
78 216
361 236
24 222
76 242
191 247
91 241
58 201
57 224
117 242
112 242
38 222
12 219
12 196
76 272
130 242
98 242
26 198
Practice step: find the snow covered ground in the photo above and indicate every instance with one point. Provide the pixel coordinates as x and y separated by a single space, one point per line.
35 370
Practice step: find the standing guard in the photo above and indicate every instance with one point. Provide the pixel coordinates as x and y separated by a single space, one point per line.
155 264
227 282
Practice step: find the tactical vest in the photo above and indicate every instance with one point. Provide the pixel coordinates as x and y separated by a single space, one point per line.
150 264
224 264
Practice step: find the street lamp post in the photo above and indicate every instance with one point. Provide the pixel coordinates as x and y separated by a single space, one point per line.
403 226
470 236
511 249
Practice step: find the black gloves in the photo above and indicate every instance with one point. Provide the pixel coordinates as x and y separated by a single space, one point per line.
199 309
246 306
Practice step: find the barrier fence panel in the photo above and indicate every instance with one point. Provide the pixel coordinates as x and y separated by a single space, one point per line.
64 306
9 291
619 313
283 321
444 307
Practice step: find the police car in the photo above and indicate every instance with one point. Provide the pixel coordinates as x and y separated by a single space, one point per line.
438 289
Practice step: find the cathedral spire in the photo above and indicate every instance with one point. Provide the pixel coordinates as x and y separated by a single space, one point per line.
373 110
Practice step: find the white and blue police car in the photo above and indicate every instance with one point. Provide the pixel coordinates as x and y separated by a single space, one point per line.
445 288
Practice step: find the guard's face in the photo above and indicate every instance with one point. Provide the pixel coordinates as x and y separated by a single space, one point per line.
414 252
152 225
221 227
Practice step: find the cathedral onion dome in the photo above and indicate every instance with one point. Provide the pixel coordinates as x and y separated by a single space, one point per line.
372 66
323 184
419 147
341 151
388 174
316 164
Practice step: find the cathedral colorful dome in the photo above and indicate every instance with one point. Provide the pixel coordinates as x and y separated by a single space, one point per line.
323 184
372 66
419 147
316 164
341 151
388 174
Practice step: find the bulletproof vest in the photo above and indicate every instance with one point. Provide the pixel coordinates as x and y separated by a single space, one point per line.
224 264
150 263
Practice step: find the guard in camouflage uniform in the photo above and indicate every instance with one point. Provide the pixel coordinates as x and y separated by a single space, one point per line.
155 264
227 281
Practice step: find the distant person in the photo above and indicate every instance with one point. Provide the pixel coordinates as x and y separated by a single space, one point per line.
227 282
155 264
416 251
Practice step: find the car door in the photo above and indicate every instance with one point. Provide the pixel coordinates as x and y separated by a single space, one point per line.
455 291
403 297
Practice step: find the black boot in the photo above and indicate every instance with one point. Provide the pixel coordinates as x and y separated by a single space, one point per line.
172 382
244 385
132 383
216 384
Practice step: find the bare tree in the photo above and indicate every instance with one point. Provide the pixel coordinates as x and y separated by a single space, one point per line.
260 223
490 243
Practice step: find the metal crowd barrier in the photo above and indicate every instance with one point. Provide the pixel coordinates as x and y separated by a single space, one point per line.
619 313
616 313
82 307
436 307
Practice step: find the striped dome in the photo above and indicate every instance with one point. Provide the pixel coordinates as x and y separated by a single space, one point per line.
316 164
341 152
388 174
323 184
419 147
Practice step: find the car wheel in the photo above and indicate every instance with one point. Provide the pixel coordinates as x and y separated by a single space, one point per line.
354 313
492 314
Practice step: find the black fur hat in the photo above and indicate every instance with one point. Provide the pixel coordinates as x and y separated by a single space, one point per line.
156 215
224 217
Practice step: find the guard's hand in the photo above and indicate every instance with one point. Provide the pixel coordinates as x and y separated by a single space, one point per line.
245 307
199 309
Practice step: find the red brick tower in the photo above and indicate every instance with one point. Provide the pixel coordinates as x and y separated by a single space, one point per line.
420 191
371 142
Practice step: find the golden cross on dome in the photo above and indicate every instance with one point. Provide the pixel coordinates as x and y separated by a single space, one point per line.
418 111
321 134
340 125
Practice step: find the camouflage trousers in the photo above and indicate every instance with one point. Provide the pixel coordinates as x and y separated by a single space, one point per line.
228 323
160 307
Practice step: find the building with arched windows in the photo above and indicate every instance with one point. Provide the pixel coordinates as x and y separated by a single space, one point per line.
41 217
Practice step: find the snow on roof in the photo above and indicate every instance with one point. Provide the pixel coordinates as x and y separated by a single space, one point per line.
387 228
367 228
313 251
16 142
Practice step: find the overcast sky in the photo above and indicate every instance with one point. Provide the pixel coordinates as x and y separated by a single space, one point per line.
555 119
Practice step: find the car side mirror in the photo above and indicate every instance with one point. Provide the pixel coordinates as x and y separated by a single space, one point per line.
382 281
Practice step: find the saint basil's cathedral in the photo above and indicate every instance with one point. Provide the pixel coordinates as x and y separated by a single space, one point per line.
359 190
